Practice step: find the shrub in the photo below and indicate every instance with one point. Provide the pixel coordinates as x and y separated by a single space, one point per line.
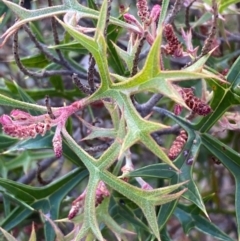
115 125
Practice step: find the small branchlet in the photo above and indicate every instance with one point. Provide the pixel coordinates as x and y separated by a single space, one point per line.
55 34
187 21
174 11
136 57
177 145
49 108
54 175
98 148
38 45
210 40
194 103
85 89
33 74
91 70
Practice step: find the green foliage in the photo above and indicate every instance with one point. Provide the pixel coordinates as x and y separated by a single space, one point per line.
145 212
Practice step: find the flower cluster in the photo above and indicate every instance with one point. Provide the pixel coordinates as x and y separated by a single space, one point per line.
149 20
23 125
78 204
173 46
178 145
143 11
194 103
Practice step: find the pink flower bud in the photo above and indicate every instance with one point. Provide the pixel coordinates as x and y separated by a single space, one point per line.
20 115
155 12
101 193
129 18
5 120
77 206
57 144
177 109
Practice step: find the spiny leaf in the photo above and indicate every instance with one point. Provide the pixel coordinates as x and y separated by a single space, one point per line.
7 235
33 234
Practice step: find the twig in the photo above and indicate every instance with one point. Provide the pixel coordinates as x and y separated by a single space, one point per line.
208 43
42 74
54 175
91 70
146 107
98 148
174 11
49 109
26 179
55 34
85 89
43 49
172 130
136 57
187 21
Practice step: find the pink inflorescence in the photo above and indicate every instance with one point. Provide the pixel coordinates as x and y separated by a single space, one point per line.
143 11
22 125
78 204
155 12
173 46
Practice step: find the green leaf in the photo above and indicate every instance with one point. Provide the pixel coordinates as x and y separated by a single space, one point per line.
57 83
155 170
6 141
163 14
225 3
7 235
190 220
72 46
46 198
40 142
230 159
102 18
192 146
33 234
37 61
6 101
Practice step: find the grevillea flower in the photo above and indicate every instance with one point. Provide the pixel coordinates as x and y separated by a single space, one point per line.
194 103
155 12
23 125
177 145
78 204
173 46
177 109
129 18
143 11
